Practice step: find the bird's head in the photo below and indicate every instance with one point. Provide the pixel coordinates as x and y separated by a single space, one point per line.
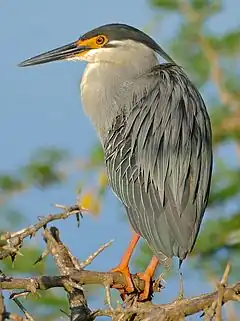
102 43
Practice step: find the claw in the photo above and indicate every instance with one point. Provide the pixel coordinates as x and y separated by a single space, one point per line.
147 277
129 288
145 295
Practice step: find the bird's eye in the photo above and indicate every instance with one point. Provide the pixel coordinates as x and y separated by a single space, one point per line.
100 40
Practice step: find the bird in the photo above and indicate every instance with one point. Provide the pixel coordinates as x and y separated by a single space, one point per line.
156 137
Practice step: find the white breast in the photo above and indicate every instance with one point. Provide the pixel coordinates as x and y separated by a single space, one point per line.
97 94
105 76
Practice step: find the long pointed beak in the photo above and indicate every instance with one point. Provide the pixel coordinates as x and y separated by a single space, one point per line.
61 53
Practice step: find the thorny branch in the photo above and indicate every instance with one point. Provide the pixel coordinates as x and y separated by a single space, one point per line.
10 243
179 308
72 277
187 306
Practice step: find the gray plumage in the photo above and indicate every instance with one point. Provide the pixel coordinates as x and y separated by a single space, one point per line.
156 137
158 158
155 131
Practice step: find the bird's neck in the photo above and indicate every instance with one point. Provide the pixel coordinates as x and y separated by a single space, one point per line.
105 85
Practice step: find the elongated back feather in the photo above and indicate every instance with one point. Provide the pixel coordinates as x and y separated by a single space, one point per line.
159 159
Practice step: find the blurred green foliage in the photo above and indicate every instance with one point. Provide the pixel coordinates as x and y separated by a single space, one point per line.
43 169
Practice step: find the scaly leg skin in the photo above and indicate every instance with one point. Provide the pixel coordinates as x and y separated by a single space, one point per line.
124 269
147 277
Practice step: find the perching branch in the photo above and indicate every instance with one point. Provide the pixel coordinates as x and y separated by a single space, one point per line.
179 308
72 278
186 306
83 277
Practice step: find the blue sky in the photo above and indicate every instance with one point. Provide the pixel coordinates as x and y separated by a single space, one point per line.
41 107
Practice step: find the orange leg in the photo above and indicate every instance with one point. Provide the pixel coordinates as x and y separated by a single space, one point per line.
123 266
147 277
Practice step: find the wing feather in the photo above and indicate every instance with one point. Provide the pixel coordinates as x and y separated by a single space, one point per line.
161 168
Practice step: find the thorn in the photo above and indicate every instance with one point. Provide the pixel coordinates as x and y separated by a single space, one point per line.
108 297
64 312
70 209
13 257
14 295
224 280
42 256
157 285
94 313
21 307
13 250
40 218
2 274
75 285
63 207
221 288
78 218
95 254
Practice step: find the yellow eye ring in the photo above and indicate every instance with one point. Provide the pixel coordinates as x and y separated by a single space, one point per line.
100 40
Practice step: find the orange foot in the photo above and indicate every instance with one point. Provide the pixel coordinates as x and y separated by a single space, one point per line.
124 269
147 277
129 287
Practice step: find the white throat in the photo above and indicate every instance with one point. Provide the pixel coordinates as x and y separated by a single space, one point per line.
108 70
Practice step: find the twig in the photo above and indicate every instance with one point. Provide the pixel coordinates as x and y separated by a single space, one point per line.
91 257
221 289
210 312
6 315
2 307
21 307
181 291
108 297
15 239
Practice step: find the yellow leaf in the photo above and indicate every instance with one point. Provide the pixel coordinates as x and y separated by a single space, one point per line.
90 202
102 179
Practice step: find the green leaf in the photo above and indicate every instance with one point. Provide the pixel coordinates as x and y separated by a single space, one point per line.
43 169
228 45
24 263
217 234
193 58
228 188
96 156
165 4
9 183
41 174
50 155
206 8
